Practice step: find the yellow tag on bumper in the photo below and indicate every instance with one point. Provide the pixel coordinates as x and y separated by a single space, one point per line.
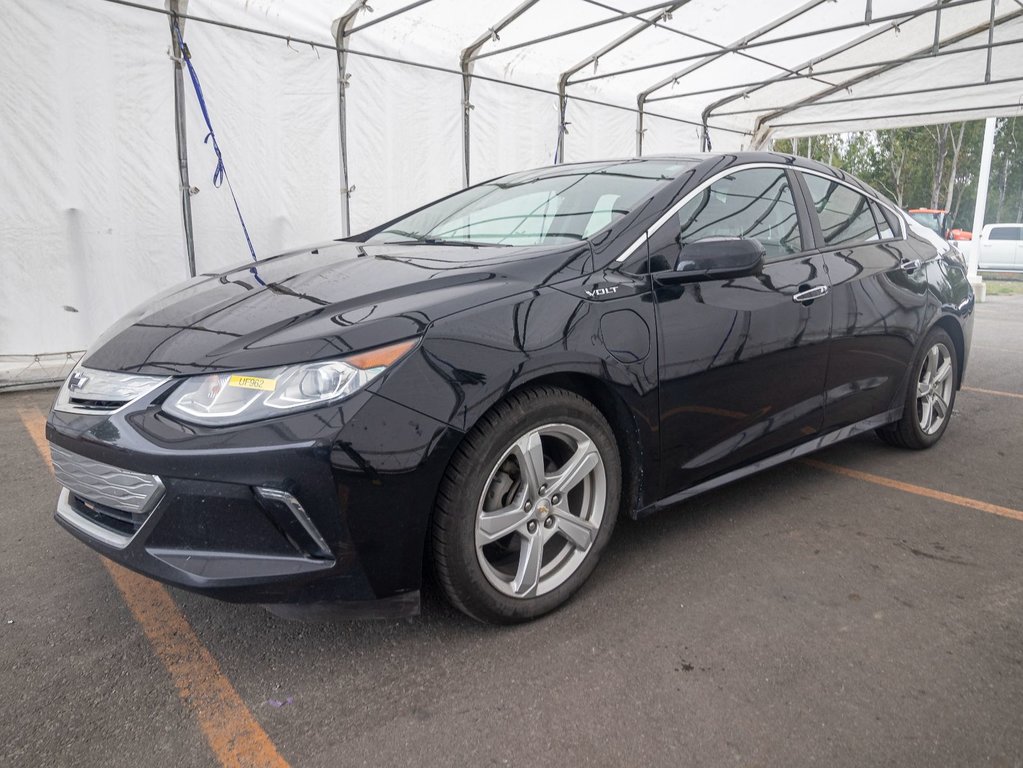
252 382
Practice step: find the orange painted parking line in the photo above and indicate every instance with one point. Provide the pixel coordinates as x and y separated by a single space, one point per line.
993 392
230 729
232 732
918 490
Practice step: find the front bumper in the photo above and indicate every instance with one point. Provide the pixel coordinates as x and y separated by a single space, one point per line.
329 506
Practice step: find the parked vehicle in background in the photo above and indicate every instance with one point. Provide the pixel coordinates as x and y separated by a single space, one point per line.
489 379
940 221
1001 247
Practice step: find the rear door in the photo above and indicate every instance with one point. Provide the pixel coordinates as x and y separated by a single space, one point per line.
741 363
878 289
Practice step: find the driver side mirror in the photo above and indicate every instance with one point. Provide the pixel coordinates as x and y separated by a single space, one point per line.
715 258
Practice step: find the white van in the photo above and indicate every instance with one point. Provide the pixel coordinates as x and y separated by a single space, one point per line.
1001 247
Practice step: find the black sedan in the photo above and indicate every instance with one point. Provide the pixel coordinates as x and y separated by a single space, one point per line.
481 386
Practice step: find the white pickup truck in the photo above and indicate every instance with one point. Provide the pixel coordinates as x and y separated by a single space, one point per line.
1001 247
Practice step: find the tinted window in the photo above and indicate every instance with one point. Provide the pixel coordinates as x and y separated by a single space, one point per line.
893 220
1006 233
883 227
756 204
844 214
930 220
550 206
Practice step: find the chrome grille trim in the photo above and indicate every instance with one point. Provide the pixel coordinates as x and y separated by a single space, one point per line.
68 514
92 391
104 484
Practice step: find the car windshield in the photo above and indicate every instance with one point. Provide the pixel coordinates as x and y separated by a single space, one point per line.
546 207
930 220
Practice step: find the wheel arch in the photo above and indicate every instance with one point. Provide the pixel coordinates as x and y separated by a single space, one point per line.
950 325
619 417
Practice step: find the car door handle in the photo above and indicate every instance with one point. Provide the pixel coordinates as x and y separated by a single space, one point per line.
910 265
805 297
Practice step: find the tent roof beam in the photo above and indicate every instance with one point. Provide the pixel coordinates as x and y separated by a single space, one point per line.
744 40
985 110
875 96
762 122
919 55
387 16
697 38
895 17
565 32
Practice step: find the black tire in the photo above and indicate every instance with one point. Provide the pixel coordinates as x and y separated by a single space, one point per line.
481 463
910 431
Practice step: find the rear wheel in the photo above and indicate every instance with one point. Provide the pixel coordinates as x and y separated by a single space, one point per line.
930 395
526 506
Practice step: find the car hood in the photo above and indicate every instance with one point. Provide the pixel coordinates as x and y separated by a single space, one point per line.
321 302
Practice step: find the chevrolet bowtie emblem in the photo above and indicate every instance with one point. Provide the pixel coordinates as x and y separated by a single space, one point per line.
77 380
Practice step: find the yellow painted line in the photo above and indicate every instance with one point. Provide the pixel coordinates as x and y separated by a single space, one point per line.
232 732
993 392
919 490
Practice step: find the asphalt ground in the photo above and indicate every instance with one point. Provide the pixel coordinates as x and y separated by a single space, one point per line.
799 617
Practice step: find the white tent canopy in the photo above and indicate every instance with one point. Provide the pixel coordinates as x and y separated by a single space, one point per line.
334 115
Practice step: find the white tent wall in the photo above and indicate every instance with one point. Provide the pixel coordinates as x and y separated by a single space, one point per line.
404 138
89 215
596 131
510 129
274 109
663 136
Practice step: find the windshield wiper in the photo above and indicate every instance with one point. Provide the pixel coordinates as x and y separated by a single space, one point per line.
417 239
435 241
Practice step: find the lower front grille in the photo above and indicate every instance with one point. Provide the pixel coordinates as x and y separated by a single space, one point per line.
119 489
107 502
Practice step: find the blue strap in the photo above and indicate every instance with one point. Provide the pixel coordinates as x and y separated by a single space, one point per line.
220 172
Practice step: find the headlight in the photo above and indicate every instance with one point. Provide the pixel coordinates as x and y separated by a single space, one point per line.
234 398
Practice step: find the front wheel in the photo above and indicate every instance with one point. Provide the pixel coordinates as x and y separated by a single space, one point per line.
930 395
526 506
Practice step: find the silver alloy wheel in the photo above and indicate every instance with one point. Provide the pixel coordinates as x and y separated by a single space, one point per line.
934 389
541 510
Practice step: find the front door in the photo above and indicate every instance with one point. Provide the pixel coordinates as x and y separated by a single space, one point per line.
742 365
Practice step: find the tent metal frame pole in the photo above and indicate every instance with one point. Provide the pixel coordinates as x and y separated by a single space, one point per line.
758 131
335 48
660 15
899 18
465 61
342 28
988 108
937 25
810 63
177 9
990 43
565 32
387 16
642 97
697 38
987 150
875 96
922 54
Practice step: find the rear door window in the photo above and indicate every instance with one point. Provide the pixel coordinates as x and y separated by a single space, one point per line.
1006 233
884 226
844 214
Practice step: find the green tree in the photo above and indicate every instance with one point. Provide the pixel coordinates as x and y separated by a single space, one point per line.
934 166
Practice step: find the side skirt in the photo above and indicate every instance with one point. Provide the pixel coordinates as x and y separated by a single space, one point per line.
822 441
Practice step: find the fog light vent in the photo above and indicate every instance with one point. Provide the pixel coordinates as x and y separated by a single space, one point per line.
286 511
